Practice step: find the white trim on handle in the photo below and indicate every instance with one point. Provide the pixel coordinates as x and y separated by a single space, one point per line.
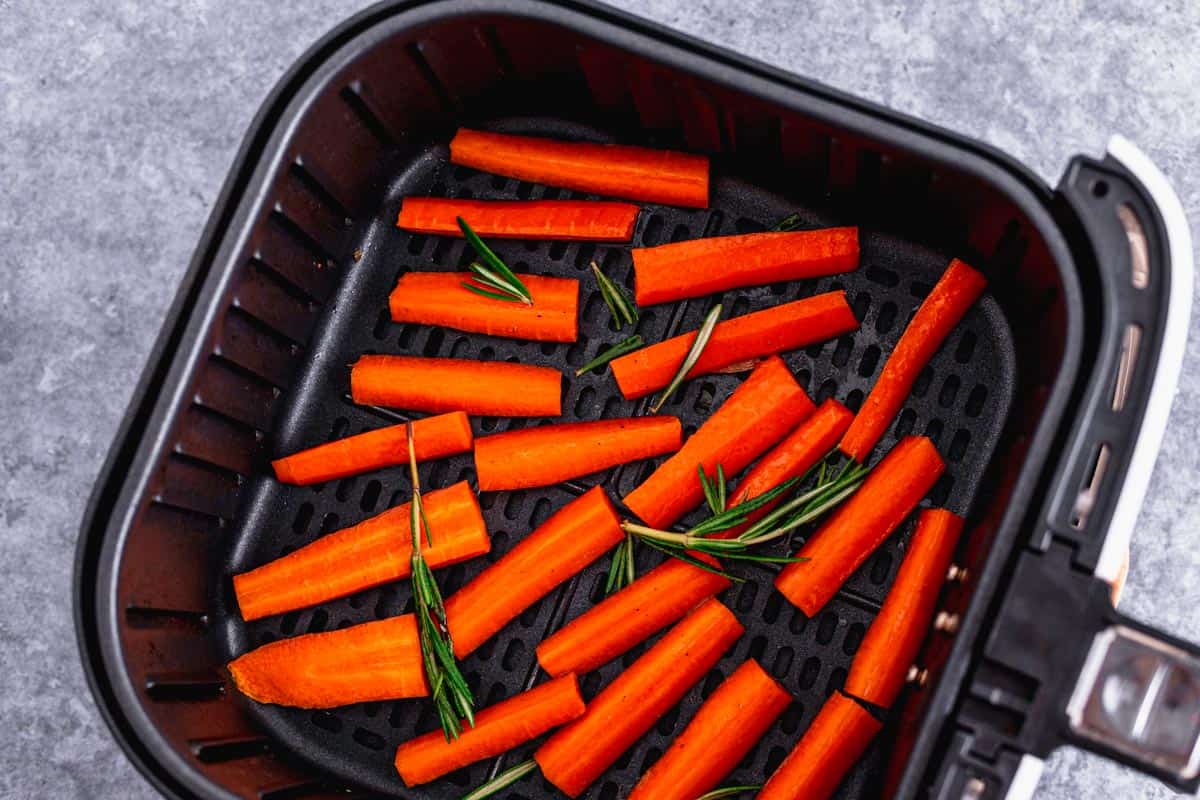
1025 779
1170 357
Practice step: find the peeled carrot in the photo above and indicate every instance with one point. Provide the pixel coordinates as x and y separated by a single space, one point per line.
373 661
595 220
575 756
662 596
729 723
488 388
890 492
833 742
498 729
959 287
791 458
891 644
752 336
437 437
368 554
759 413
704 266
639 173
574 536
551 454
439 298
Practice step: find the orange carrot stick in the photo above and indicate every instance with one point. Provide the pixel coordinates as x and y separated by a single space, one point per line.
791 458
488 388
498 729
662 596
959 287
729 723
594 220
704 266
833 742
752 336
373 661
890 492
891 644
639 173
759 413
368 554
551 454
439 298
437 437
575 536
575 756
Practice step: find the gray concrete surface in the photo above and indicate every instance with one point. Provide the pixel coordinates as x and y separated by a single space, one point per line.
117 124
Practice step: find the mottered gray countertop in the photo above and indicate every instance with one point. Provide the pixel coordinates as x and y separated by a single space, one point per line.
119 120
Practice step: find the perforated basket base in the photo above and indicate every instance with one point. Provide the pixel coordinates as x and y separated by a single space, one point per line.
961 401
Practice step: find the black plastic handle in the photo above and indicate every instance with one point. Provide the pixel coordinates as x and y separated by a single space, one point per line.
1060 665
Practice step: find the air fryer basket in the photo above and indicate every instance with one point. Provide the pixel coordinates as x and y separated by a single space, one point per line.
289 285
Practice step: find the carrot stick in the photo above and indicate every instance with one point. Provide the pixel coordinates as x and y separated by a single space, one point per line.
373 661
594 220
575 756
574 536
791 458
439 298
958 288
752 336
368 554
498 729
891 644
704 266
437 437
488 388
551 454
661 597
729 723
890 492
833 742
759 413
638 173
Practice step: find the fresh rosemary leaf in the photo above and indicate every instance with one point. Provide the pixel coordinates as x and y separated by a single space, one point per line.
503 780
728 791
615 351
722 489
683 555
701 341
789 223
622 308
710 491
496 275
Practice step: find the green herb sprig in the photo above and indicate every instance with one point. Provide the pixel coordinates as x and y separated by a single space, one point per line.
502 781
497 280
702 336
622 308
608 354
730 791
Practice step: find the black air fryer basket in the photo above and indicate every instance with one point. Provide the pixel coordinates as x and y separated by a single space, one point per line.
1048 403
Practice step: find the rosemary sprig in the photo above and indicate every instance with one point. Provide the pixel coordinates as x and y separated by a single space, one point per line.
503 780
701 341
451 696
622 571
615 351
789 223
730 791
501 282
623 310
714 490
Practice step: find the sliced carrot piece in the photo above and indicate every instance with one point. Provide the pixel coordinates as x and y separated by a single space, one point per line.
574 536
575 756
759 413
437 437
638 173
833 742
888 495
487 388
745 338
594 220
661 597
698 267
891 644
724 729
373 552
959 287
498 729
550 454
439 298
373 661
791 458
